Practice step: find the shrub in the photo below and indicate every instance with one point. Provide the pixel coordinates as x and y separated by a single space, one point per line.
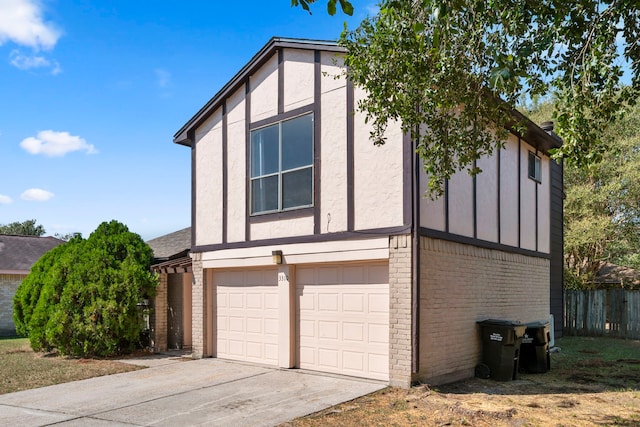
87 294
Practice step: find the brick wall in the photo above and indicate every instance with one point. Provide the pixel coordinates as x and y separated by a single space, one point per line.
462 284
8 285
198 313
400 311
159 316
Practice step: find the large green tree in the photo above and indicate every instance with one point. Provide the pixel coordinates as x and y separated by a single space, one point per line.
602 205
451 70
82 297
26 228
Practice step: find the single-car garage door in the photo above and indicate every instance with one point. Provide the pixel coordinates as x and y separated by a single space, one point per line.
247 315
342 319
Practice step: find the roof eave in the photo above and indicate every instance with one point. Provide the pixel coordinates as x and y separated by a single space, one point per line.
182 137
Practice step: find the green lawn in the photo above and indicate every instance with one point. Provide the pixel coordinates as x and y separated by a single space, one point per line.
22 369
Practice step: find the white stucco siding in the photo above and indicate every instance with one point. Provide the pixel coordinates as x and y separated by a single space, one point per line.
544 207
236 161
282 228
527 201
333 173
461 204
208 170
378 176
509 192
264 90
487 199
298 78
432 212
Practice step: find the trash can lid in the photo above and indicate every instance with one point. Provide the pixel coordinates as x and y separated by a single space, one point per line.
498 322
538 324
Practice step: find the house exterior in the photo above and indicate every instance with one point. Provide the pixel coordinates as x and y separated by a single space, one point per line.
314 249
17 256
170 321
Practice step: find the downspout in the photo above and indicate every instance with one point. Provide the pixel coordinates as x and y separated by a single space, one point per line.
415 257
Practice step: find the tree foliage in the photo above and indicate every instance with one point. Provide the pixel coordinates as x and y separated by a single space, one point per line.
345 5
442 67
26 228
82 297
602 205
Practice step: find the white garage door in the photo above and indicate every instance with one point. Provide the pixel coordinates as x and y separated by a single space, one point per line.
342 315
247 315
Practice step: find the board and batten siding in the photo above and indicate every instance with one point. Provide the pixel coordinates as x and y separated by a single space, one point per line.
500 206
353 178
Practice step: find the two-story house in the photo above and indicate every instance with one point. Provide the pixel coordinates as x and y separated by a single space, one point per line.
312 248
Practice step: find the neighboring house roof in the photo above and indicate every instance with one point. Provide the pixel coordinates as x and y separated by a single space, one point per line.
171 251
19 253
616 274
543 139
171 245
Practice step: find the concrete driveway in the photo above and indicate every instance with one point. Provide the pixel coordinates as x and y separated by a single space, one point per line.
173 392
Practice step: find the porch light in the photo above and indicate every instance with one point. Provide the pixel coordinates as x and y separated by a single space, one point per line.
277 257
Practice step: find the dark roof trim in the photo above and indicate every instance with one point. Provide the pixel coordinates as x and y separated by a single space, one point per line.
535 135
179 265
258 60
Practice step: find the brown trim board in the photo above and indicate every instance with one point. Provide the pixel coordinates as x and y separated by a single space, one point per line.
436 234
317 140
312 238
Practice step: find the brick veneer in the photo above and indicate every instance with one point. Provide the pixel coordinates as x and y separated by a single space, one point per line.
159 320
462 284
8 285
199 307
400 346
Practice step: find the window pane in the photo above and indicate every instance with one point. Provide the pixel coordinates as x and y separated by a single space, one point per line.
297 142
297 189
264 194
264 151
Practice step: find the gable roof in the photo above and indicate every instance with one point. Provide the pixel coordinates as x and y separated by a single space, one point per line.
542 139
182 136
172 245
19 253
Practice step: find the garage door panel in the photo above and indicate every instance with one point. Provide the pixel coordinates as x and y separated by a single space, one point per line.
378 333
379 363
353 361
353 303
328 302
342 319
247 315
379 303
353 332
328 330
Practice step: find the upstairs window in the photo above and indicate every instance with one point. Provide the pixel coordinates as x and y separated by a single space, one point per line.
282 166
534 167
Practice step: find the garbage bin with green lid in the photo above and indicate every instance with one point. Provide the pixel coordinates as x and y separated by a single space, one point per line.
501 347
534 349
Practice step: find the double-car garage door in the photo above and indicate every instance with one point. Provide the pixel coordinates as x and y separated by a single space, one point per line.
341 317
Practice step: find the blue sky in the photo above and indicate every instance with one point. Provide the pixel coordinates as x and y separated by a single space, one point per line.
93 91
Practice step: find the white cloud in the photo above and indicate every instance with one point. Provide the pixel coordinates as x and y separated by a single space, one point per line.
26 62
53 144
5 200
36 195
163 77
21 22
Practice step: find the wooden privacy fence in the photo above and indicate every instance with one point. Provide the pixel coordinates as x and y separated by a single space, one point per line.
602 312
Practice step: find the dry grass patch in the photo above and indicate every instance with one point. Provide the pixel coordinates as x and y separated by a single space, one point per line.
22 369
593 381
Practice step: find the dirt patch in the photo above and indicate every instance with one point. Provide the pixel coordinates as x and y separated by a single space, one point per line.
590 383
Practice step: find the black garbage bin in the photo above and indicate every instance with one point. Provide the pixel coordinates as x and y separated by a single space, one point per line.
534 349
501 347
